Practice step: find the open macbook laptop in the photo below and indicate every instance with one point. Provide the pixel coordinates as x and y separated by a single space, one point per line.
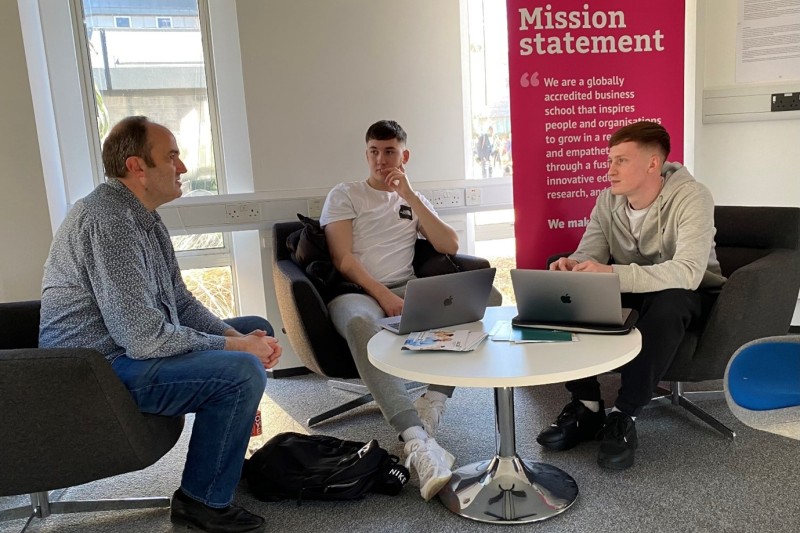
440 301
586 302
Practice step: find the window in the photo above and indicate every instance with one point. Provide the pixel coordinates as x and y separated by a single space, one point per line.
160 73
206 270
198 241
494 240
487 50
70 122
487 42
213 286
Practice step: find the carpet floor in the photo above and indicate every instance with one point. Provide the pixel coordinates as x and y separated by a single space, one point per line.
687 478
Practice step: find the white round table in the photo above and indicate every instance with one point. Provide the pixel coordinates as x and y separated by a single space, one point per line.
506 488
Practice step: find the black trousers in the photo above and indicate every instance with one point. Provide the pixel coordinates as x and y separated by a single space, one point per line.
663 320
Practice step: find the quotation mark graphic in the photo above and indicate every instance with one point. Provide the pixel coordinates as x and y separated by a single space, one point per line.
529 80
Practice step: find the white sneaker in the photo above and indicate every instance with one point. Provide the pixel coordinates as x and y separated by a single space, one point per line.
431 412
432 464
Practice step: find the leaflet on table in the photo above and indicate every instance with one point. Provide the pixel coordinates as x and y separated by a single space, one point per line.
461 340
504 331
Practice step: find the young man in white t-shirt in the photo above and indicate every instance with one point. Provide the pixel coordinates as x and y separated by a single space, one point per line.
371 227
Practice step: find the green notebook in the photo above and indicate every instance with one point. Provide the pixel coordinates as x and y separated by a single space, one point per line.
539 335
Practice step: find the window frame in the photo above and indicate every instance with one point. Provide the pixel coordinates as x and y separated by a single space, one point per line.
69 139
87 89
187 259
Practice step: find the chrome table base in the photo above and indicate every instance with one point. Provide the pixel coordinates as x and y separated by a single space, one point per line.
507 489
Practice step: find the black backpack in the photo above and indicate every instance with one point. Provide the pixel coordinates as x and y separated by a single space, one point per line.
320 467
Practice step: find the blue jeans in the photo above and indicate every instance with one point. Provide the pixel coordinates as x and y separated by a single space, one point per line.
223 389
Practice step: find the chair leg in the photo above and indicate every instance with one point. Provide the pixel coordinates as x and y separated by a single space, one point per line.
42 507
358 388
676 396
411 386
349 406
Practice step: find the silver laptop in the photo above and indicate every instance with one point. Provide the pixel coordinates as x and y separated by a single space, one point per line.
577 298
440 301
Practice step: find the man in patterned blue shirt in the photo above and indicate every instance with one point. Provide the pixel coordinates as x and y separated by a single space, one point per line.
112 283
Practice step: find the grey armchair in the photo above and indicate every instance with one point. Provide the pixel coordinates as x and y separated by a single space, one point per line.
66 420
305 315
759 252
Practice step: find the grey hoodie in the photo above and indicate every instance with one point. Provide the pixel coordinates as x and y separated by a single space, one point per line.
676 243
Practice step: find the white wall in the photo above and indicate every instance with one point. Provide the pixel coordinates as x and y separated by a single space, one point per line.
25 232
317 74
744 163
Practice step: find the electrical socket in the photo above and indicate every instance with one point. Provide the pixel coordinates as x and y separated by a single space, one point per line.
234 212
785 102
446 197
249 212
473 196
252 211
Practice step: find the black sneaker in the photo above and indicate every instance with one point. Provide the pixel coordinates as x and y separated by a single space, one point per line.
188 512
576 423
619 441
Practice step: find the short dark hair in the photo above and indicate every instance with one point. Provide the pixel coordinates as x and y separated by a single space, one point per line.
384 130
128 138
644 133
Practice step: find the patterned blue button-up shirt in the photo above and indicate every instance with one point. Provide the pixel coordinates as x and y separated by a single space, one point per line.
112 283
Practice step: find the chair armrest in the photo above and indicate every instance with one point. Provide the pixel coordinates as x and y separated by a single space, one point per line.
69 410
288 276
307 323
448 264
19 325
428 262
758 300
470 262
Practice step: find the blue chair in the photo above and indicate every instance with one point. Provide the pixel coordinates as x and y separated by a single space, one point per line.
762 385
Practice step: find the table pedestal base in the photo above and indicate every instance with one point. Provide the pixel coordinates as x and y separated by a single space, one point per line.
509 490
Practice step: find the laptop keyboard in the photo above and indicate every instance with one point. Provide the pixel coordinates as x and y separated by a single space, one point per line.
394 325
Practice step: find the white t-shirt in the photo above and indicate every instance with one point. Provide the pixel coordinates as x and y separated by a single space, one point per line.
636 219
384 228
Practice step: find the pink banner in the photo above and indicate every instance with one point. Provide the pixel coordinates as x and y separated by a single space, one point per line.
578 71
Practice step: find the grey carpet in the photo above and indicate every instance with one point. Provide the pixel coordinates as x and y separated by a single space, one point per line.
686 478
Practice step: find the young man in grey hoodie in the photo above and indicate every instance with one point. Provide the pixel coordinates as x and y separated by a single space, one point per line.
653 227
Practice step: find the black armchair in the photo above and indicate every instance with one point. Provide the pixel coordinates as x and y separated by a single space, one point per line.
307 323
759 252
66 420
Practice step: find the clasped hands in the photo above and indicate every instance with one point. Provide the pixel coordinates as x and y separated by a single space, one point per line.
260 344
